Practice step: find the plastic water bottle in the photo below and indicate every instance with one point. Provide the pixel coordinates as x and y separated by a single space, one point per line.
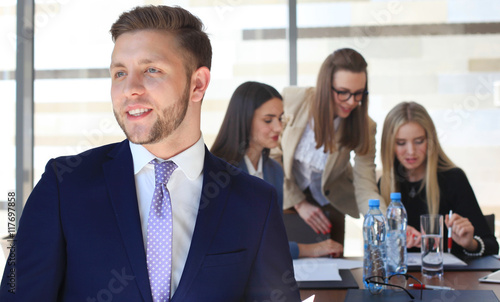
374 238
396 261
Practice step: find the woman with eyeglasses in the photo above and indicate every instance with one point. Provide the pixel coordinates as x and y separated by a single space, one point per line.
250 128
323 125
415 165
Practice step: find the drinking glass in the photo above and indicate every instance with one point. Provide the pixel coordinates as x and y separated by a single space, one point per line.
431 227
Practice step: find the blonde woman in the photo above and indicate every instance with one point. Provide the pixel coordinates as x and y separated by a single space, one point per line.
415 165
323 125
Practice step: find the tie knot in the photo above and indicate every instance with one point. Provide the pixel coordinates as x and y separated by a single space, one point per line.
163 170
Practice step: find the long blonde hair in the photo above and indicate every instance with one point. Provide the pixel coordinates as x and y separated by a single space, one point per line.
354 129
436 161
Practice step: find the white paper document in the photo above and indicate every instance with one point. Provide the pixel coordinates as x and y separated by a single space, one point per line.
347 264
310 299
415 259
316 269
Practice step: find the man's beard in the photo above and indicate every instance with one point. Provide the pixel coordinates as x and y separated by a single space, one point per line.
165 124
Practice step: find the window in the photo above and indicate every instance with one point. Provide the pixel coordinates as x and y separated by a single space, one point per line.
443 55
73 109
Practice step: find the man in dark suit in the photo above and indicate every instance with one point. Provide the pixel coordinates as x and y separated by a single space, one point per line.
84 231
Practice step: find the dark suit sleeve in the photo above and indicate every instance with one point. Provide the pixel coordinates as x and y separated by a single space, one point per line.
272 277
37 271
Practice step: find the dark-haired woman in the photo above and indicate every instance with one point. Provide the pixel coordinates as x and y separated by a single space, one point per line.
251 127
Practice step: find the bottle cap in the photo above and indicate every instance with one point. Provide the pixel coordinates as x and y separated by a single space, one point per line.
396 195
373 203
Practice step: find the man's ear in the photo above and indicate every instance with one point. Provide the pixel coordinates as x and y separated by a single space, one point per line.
199 83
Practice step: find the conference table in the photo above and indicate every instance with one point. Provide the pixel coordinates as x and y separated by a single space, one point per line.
457 279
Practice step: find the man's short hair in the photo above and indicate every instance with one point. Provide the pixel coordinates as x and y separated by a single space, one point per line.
187 29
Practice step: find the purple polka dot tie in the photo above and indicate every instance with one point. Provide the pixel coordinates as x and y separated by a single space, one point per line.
159 241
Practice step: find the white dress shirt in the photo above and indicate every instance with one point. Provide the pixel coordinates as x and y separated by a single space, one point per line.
184 187
251 169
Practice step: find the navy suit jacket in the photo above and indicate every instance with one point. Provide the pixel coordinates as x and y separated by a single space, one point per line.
273 174
80 237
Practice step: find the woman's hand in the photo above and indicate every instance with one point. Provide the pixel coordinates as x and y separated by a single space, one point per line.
412 237
462 231
323 248
313 216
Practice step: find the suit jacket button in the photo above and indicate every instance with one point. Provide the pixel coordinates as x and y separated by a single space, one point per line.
327 192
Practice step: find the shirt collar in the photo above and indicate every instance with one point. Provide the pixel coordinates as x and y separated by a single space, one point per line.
190 161
251 169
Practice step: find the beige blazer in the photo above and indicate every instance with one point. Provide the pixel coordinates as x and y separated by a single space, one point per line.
348 189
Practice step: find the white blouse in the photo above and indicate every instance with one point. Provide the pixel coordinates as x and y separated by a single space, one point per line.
309 163
251 169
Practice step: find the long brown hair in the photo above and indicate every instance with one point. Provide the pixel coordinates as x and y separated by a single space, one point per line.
437 160
354 129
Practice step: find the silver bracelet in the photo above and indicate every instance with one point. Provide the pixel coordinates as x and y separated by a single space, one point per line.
481 252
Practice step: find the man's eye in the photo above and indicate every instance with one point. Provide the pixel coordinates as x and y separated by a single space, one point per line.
152 70
119 74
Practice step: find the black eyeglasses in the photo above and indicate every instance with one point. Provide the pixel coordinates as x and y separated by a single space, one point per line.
344 96
398 281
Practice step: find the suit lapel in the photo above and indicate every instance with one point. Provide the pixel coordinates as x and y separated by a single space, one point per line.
243 166
119 176
291 137
214 195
